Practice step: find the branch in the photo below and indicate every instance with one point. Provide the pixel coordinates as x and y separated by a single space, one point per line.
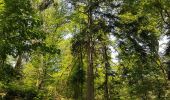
45 4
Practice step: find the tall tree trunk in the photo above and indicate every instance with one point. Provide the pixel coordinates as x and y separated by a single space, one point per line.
42 71
107 65
81 85
90 75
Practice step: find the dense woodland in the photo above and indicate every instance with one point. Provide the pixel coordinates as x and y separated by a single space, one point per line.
84 49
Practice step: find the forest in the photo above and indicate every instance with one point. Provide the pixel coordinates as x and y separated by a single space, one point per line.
84 50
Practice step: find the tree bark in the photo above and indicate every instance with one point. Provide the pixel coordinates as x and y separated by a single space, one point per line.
107 65
18 63
90 75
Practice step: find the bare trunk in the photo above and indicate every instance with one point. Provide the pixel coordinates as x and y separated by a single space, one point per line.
18 63
41 74
107 65
90 76
106 93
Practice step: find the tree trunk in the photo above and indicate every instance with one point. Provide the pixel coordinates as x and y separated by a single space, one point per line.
41 73
107 65
18 63
90 75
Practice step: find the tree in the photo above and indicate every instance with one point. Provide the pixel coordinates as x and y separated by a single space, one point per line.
84 49
139 45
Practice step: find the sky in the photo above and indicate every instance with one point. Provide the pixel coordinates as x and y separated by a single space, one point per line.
162 44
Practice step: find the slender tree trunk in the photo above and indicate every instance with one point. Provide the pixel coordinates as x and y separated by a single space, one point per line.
107 65
90 75
81 85
106 94
41 74
18 63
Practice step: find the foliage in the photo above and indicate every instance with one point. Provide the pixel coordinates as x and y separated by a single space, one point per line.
66 49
